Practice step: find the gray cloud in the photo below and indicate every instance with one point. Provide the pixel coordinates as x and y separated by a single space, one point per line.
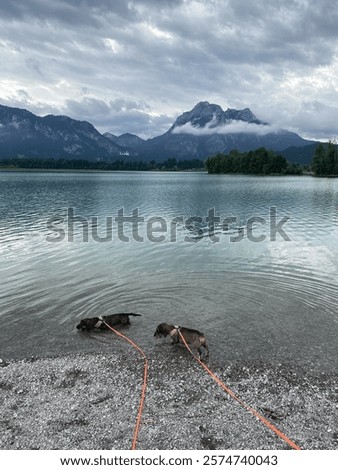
63 11
121 115
320 120
123 65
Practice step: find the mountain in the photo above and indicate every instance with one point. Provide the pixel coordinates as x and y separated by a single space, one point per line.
207 129
198 133
127 140
22 133
205 113
301 155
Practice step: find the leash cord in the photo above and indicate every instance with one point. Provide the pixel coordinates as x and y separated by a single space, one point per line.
144 385
242 403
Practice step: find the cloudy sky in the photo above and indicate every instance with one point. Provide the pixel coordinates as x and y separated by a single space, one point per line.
133 66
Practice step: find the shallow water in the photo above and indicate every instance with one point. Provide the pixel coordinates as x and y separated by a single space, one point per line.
273 299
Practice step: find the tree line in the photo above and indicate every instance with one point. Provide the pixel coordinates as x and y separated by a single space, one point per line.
119 165
256 162
260 161
325 160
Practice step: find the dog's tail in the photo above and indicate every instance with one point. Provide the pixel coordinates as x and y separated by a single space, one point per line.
134 314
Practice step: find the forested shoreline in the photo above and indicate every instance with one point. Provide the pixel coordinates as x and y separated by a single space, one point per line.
256 162
119 165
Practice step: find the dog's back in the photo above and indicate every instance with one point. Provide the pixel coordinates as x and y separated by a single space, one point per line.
119 318
111 320
194 337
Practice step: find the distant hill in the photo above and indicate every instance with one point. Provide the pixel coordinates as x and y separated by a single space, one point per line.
131 141
24 134
196 134
301 155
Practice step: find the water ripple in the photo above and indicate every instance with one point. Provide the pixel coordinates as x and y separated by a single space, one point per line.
270 300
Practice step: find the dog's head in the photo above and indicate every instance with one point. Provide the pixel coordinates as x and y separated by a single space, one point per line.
163 329
88 323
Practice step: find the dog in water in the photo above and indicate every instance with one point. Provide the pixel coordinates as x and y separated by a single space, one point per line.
193 337
111 320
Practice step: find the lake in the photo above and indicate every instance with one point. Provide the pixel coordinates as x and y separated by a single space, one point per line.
251 261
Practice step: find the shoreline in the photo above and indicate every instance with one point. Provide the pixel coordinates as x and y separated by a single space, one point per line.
193 170
90 401
85 170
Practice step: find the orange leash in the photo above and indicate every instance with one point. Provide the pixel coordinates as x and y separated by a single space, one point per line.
233 395
144 386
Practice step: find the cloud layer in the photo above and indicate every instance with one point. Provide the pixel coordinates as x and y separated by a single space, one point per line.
231 127
134 66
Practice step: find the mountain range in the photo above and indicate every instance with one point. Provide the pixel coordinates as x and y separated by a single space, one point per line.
198 133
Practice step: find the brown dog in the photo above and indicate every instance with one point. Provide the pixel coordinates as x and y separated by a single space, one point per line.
111 320
193 337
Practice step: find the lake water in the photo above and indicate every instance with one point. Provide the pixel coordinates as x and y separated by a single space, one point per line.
260 281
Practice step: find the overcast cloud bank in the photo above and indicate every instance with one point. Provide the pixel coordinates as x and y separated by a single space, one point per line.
134 66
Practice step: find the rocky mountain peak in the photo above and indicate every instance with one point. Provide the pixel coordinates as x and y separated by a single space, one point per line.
202 114
205 113
241 115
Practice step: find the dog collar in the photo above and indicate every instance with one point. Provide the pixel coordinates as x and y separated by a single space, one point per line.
99 323
174 331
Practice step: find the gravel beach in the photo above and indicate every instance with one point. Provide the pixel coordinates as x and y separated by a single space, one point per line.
90 401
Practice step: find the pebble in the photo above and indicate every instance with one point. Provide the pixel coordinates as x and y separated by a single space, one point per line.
183 409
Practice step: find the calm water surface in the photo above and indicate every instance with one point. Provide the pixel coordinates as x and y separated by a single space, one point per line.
273 300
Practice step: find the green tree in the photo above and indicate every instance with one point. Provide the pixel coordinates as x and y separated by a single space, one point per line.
317 164
325 160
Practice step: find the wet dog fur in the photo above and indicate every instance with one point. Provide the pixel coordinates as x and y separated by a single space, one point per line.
115 319
193 337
